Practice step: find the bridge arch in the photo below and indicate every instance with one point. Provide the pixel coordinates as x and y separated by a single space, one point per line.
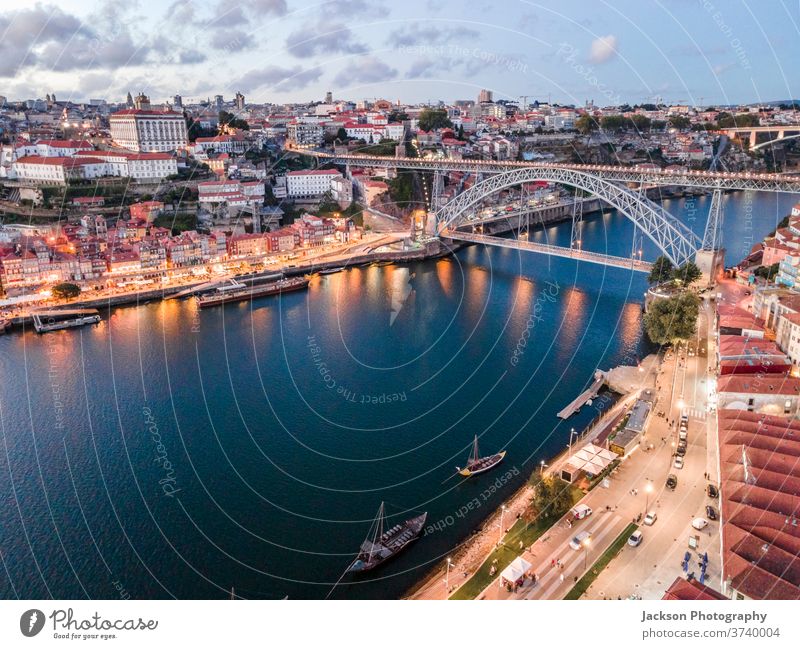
671 236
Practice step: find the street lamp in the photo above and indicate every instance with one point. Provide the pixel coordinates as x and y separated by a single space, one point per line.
586 543
572 432
447 574
541 468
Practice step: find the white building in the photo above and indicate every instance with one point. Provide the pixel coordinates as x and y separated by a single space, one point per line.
143 167
310 183
148 130
56 170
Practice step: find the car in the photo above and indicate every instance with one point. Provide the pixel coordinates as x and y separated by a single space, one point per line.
672 481
578 541
712 491
681 450
699 523
650 518
684 417
678 462
683 435
635 539
581 511
711 512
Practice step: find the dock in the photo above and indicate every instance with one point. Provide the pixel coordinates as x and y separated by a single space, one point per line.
45 321
587 395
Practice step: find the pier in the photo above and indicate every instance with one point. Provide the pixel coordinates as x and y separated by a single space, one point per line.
587 395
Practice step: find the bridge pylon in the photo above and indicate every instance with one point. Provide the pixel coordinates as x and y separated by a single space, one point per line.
710 258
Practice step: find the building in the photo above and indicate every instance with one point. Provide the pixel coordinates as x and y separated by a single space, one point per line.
485 96
759 458
310 183
691 590
304 134
239 101
342 190
146 210
767 394
56 170
139 129
625 440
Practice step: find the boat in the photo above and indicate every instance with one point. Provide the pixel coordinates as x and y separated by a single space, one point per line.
46 321
382 544
249 293
477 464
331 271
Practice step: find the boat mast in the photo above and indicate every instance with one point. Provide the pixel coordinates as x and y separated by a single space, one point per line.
378 530
475 450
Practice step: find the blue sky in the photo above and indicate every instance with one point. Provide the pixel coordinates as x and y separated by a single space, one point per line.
694 51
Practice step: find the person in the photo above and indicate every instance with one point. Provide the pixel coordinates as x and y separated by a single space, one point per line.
552 563
562 577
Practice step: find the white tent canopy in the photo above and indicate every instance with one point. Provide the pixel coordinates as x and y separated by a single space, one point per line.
516 570
590 459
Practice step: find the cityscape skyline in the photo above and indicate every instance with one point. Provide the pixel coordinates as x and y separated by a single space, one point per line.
702 56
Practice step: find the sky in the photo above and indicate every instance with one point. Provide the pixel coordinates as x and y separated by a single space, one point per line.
280 51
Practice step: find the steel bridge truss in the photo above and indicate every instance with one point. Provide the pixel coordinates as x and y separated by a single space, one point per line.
671 236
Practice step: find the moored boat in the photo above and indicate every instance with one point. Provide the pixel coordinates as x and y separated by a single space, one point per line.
56 319
251 292
331 271
382 544
477 464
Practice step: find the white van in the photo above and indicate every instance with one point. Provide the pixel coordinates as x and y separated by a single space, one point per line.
581 511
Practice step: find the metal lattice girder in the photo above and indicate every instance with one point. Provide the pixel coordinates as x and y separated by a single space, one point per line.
671 236
437 189
680 177
711 238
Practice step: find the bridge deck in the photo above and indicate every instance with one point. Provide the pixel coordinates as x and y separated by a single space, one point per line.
547 249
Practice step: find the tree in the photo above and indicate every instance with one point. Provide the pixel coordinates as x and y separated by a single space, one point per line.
681 122
586 124
552 498
671 319
66 291
460 135
229 120
662 270
688 273
341 134
640 122
431 119
767 272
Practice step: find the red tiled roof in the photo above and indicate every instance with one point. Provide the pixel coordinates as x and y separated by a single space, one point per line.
689 590
749 384
760 489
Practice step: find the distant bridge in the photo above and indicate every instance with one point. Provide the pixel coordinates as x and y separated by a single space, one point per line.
782 131
644 174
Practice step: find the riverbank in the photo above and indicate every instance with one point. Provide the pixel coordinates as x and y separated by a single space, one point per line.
474 551
430 250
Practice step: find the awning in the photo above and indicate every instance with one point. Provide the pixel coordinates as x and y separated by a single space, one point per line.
516 570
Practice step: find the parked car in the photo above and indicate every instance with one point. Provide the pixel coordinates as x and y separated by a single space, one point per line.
684 418
678 462
581 511
681 450
577 542
699 523
683 435
711 512
712 491
650 518
635 539
672 481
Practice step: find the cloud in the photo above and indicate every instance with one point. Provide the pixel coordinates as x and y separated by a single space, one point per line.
323 39
603 49
346 8
416 34
275 7
231 40
722 68
187 57
367 69
278 79
227 15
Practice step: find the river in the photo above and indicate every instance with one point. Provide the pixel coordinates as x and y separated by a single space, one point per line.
171 453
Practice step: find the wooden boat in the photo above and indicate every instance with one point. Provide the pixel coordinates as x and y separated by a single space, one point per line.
477 464
381 545
251 292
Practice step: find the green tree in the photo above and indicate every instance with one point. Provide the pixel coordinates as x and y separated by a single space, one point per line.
586 124
231 121
671 319
552 498
767 272
66 291
341 134
431 119
460 135
662 270
612 123
640 122
688 273
681 122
